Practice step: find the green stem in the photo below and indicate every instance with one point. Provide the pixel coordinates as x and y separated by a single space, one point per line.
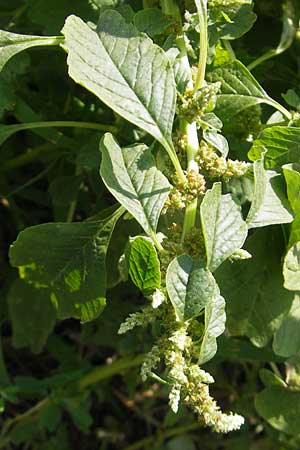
203 43
229 49
280 108
61 123
102 372
192 148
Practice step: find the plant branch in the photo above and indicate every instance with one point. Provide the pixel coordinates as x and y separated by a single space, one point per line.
203 43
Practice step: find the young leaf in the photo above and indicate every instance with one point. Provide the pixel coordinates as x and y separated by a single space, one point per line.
239 90
291 268
71 265
287 337
131 176
125 70
223 227
215 319
33 315
190 286
143 265
12 43
279 144
269 205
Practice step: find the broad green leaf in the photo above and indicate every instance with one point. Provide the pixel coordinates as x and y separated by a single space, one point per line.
12 43
131 176
68 259
269 205
280 407
152 21
215 319
33 315
239 90
125 70
223 228
143 265
291 268
190 286
287 337
281 145
292 178
256 302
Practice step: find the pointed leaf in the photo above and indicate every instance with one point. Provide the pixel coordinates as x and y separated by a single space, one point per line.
190 286
143 265
223 227
131 176
69 259
12 43
125 70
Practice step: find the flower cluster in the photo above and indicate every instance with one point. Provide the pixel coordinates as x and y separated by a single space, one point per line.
193 105
141 318
215 167
185 192
186 379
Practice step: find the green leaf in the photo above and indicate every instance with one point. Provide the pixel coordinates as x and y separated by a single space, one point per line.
281 145
131 176
33 315
217 140
287 337
215 319
71 263
12 43
280 407
233 20
239 90
291 98
256 302
223 227
52 19
269 204
143 264
190 286
152 21
292 178
291 268
125 70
